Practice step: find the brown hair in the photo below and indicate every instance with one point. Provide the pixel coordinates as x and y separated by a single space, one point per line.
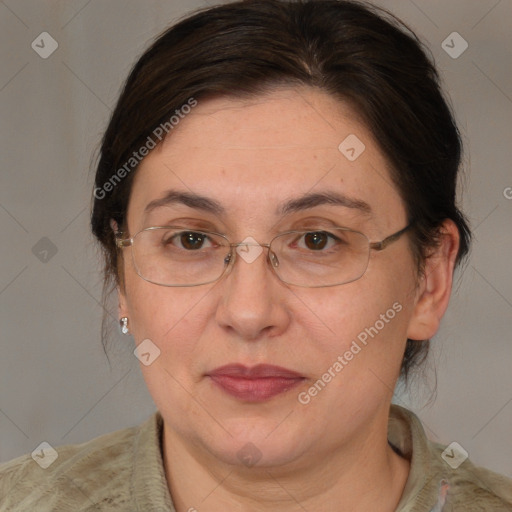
352 50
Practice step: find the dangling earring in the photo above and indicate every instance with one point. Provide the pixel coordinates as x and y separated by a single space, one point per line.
123 324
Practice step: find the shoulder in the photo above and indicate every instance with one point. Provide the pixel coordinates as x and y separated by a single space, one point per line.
442 478
470 487
81 476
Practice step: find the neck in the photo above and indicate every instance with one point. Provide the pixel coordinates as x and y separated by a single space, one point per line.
364 474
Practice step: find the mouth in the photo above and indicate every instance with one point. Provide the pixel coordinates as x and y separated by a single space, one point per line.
256 384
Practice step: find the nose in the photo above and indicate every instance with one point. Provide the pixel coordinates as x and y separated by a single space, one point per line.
253 303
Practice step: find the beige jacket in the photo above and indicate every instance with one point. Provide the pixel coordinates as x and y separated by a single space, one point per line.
123 471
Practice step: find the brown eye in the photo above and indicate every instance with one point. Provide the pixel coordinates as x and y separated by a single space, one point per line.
192 241
316 241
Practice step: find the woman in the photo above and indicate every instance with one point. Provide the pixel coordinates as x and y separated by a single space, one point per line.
276 202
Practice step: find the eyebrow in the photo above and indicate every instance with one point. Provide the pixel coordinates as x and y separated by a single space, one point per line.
191 200
305 202
311 200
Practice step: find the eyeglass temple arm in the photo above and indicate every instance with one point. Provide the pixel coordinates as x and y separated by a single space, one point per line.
123 242
379 246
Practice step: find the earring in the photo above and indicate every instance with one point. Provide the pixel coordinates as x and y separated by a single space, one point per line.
123 324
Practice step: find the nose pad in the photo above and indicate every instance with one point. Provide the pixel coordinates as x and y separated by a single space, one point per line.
273 259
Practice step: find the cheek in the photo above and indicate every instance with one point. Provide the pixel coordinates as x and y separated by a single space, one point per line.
172 318
347 310
356 364
174 321
364 322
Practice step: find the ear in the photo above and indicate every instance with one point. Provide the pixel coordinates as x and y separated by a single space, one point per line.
121 296
123 309
435 285
114 226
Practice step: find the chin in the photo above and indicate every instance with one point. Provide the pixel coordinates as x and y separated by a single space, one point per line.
256 447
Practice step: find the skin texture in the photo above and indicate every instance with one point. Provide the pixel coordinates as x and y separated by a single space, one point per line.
251 155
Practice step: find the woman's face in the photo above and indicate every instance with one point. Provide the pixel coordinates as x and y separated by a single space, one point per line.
344 344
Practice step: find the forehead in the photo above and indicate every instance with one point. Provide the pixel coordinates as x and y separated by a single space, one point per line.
250 154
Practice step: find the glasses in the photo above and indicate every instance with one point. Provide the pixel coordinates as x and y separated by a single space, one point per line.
312 258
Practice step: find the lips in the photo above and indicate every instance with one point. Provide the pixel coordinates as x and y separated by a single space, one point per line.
256 384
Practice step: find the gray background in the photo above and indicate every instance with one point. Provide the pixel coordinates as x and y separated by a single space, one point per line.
55 381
